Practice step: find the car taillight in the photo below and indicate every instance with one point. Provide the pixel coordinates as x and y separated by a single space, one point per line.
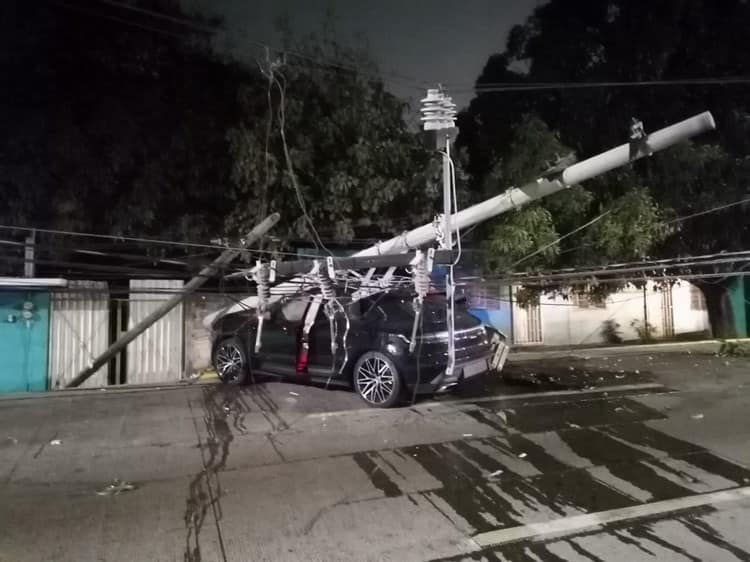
302 359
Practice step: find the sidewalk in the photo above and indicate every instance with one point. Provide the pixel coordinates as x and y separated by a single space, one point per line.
701 347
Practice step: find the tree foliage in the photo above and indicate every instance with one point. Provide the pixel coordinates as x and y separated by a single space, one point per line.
113 127
588 40
355 162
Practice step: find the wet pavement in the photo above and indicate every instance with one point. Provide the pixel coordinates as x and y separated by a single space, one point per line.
283 472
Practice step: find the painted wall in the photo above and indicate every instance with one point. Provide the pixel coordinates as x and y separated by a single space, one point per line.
24 343
566 323
197 336
740 299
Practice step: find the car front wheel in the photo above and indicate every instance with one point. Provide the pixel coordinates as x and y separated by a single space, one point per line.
230 361
376 380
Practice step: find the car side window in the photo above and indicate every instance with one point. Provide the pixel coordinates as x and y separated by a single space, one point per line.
294 310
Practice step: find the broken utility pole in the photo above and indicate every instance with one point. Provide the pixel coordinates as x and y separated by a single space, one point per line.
205 274
516 197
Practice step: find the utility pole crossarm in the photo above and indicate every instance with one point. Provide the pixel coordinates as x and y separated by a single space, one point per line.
226 257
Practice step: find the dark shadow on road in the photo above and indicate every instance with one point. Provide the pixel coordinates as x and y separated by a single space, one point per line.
499 482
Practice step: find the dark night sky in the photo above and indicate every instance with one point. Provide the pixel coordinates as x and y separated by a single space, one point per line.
429 40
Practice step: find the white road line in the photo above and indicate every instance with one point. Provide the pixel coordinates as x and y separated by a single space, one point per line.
579 522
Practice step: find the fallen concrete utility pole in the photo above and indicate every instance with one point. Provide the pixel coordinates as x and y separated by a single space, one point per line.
516 197
205 274
287 268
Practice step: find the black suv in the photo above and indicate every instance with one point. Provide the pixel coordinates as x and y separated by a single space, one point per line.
373 341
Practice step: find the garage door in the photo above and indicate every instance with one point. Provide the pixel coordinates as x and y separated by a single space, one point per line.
24 337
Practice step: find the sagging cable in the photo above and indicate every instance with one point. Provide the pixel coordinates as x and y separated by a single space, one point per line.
332 307
421 269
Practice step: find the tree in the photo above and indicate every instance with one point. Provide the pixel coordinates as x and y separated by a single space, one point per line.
586 40
135 126
333 143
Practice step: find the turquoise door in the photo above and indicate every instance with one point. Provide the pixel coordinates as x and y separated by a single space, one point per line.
24 339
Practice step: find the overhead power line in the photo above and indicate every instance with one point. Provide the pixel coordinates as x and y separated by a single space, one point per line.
601 273
118 19
320 62
541 86
192 24
708 211
140 240
417 84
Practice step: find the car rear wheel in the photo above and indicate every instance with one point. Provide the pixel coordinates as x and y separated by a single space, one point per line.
376 380
230 361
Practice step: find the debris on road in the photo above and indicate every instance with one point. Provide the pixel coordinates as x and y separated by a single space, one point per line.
573 425
468 435
522 455
55 442
293 393
116 487
697 416
494 475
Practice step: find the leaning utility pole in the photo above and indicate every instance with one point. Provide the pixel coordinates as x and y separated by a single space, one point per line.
439 114
516 197
226 257
28 255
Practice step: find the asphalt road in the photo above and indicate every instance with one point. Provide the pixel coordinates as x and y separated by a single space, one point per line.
637 458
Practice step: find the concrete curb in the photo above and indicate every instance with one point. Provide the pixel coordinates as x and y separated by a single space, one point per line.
703 346
107 390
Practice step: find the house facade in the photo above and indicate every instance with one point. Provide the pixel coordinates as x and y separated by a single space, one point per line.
675 311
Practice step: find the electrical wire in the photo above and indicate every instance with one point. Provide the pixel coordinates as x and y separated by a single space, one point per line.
496 87
690 261
119 20
159 15
417 84
140 240
708 211
319 62
420 340
290 168
560 239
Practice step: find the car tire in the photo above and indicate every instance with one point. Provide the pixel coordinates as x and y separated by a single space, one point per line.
377 380
231 361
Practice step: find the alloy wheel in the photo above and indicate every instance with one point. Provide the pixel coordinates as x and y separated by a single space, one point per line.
376 381
229 362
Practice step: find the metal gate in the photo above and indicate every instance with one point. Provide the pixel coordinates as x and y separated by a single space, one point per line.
527 324
667 312
157 355
79 331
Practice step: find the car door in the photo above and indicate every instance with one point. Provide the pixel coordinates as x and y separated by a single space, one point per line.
280 337
321 359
